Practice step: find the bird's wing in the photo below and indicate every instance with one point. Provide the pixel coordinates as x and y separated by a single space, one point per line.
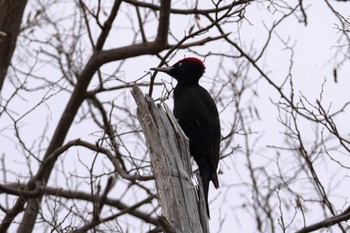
209 125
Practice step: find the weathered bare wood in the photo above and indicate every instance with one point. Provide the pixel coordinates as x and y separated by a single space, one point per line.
171 164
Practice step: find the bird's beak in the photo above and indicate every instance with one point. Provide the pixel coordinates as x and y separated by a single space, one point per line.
165 69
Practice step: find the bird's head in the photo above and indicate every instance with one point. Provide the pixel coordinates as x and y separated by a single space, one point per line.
186 71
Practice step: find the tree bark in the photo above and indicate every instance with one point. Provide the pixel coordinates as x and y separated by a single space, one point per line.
178 197
11 13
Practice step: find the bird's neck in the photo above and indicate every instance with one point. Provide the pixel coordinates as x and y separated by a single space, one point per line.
181 88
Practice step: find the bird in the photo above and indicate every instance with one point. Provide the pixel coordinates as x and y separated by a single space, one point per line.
197 114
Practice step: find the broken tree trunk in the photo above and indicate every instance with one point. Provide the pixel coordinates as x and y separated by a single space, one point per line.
171 165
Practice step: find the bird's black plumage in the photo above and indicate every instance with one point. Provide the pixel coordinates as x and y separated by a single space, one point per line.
198 116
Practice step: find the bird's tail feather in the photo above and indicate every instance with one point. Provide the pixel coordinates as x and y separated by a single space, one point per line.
205 181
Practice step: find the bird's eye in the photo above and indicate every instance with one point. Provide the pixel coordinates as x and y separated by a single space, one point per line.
179 64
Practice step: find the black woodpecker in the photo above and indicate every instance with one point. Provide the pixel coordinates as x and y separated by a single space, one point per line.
198 117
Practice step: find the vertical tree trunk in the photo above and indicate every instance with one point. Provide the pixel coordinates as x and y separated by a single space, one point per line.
181 209
11 13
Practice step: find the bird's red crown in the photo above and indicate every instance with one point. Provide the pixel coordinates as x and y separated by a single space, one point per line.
191 59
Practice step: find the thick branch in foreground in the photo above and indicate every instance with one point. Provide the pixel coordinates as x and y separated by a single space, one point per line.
171 166
344 216
11 13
